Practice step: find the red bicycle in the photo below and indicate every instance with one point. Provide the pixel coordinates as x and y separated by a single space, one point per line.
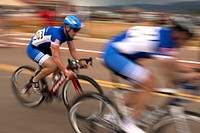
22 87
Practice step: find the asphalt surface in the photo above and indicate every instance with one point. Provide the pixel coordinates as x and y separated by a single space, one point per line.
48 118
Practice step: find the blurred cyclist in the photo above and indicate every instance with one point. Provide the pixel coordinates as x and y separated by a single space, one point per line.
44 48
146 41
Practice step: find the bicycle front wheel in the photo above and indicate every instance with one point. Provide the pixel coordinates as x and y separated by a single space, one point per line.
87 84
22 87
167 124
94 121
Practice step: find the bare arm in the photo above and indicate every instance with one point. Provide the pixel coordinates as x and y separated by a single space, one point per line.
74 54
56 56
72 50
169 58
175 65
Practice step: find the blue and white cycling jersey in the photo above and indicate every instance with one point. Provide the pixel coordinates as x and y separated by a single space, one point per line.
142 42
39 46
49 35
135 43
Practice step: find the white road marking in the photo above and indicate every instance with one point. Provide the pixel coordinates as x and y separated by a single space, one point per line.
64 48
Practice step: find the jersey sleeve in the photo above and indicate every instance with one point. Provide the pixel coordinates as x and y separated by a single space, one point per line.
119 37
56 38
166 46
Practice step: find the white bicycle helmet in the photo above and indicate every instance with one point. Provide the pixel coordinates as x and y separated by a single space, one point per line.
185 24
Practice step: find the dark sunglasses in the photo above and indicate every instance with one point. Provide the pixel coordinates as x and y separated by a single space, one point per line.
76 29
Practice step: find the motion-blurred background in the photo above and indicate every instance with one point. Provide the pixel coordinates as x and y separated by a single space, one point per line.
102 19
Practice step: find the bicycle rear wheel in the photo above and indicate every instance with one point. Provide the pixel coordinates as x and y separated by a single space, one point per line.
94 121
22 87
87 84
167 125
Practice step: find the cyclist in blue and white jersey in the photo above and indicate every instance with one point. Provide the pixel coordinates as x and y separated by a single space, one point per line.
146 41
44 48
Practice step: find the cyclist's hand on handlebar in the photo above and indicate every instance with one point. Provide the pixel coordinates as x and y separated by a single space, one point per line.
83 64
69 73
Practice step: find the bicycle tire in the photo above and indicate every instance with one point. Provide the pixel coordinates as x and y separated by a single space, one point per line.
24 74
114 125
86 80
166 123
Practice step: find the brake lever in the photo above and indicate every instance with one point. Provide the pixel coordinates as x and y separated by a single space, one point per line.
88 61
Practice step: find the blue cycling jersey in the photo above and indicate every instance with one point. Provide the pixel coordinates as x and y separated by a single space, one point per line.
50 35
136 43
142 41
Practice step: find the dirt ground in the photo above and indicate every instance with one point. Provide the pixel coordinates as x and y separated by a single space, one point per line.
93 29
104 30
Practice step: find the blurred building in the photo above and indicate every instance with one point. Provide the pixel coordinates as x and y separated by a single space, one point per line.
129 14
14 3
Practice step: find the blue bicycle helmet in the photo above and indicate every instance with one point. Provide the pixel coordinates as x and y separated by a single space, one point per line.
73 22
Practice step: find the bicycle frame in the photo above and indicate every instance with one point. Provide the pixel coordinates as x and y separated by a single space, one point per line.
61 80
149 118
177 114
73 67
23 87
170 108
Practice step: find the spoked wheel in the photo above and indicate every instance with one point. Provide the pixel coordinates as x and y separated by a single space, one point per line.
167 124
22 87
87 105
84 83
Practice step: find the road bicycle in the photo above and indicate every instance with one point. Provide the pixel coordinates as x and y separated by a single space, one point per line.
170 117
72 87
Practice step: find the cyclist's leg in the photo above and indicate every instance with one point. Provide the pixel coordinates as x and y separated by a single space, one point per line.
142 79
139 100
49 66
43 60
135 72
55 72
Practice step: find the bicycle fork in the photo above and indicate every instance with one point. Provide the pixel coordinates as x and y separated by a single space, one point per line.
179 119
77 85
27 86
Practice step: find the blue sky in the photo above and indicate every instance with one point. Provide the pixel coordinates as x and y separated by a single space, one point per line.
122 2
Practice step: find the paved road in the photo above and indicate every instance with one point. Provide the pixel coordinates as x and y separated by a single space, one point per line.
47 118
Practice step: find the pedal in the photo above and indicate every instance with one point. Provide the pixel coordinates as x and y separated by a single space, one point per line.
48 97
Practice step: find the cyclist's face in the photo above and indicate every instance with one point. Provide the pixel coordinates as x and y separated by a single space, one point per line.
180 38
72 32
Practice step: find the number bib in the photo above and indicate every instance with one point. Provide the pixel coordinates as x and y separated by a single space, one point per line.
140 33
40 38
